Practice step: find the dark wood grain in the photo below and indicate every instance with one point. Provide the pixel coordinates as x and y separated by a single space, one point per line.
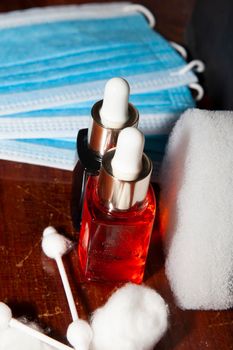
33 197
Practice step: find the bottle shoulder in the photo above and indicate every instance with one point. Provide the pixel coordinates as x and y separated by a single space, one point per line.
98 211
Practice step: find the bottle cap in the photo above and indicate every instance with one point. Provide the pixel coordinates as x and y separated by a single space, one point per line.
114 110
125 172
127 160
109 117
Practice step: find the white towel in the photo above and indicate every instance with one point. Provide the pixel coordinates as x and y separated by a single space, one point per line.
197 210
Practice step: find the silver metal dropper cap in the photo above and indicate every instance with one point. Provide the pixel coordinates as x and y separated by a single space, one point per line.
122 185
110 116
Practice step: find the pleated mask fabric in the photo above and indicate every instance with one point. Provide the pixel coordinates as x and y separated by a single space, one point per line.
46 62
54 64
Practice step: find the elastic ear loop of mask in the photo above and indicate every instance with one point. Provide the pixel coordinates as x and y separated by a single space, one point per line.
142 9
199 67
195 64
152 22
179 49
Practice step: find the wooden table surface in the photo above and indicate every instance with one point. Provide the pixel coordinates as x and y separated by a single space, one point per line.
33 197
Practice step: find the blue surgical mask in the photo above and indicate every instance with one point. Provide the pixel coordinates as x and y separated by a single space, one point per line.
52 153
61 153
70 58
158 113
49 81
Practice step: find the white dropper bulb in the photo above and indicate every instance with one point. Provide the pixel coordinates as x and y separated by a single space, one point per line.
114 110
127 160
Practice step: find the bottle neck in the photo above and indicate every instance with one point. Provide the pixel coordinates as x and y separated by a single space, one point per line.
118 194
100 138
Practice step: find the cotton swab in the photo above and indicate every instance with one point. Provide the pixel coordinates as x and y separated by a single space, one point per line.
79 334
54 245
6 320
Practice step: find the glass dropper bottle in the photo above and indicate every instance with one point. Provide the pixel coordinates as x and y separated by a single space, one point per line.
108 117
118 214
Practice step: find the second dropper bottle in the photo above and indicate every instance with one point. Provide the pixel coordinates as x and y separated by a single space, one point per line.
118 214
108 117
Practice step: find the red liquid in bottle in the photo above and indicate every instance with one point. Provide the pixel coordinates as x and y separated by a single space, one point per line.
113 246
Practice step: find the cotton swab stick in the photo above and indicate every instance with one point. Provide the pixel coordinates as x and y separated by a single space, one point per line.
6 320
54 245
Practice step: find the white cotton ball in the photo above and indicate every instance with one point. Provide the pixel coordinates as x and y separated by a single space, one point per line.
54 244
79 334
5 316
13 339
134 318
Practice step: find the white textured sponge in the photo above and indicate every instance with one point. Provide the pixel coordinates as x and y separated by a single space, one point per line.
196 210
134 318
